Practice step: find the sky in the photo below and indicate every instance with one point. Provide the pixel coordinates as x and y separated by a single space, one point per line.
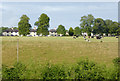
66 13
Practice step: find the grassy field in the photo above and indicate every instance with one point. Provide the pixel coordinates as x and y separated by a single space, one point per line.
35 50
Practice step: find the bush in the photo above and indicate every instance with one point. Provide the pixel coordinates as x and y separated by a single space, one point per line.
87 70
116 62
14 72
84 69
53 72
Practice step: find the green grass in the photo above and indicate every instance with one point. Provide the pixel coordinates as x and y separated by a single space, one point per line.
63 50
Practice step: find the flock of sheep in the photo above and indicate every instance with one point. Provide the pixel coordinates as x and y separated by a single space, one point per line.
87 40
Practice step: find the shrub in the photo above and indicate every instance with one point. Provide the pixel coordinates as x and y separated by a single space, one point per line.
53 72
14 72
116 62
83 70
87 70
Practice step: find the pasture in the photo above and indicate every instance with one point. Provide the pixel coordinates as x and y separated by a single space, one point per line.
58 50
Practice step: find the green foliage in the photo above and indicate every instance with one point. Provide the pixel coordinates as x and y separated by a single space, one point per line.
116 62
53 72
87 22
114 27
77 31
2 29
84 69
43 24
118 31
14 72
88 70
15 27
24 26
108 24
71 31
61 30
99 25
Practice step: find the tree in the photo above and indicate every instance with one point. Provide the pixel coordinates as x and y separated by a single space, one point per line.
113 28
118 31
2 29
99 26
61 30
86 23
43 24
15 28
24 26
108 24
71 31
77 31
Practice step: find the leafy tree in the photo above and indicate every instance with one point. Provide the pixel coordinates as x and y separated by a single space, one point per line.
86 23
77 31
113 28
2 29
61 30
15 27
118 31
99 26
71 31
43 24
108 24
23 25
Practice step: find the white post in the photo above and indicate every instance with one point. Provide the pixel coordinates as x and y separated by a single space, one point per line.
17 48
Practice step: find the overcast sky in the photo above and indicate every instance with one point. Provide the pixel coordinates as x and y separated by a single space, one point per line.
65 13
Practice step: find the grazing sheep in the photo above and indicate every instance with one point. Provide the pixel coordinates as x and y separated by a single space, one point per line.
98 37
74 37
92 36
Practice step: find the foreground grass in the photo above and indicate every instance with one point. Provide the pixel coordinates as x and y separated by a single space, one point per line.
58 50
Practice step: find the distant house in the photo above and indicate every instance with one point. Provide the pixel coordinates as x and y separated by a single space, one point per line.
33 32
53 32
10 32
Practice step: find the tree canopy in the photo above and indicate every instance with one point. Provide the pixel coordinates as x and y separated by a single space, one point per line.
23 25
43 24
77 31
86 23
71 31
99 26
61 30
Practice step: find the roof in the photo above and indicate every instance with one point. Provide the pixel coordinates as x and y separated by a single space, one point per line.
33 30
52 30
15 30
10 30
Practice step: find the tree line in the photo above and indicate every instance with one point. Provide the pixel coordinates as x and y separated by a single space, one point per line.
88 24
